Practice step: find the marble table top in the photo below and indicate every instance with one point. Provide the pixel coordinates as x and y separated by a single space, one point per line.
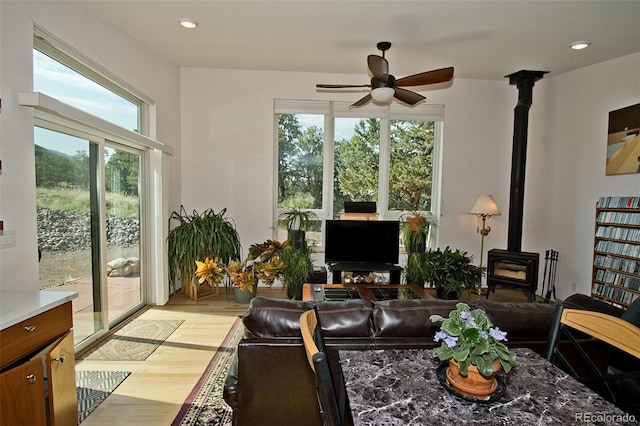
400 387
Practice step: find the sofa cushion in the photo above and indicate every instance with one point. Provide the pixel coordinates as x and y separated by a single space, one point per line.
348 318
274 318
408 318
520 320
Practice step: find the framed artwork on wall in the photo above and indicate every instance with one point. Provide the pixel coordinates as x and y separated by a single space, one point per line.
623 141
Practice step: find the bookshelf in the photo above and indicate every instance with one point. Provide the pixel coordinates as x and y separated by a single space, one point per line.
616 253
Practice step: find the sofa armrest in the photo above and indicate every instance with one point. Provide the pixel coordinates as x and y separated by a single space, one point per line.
230 391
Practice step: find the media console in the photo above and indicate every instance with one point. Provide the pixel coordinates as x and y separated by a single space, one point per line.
364 268
321 292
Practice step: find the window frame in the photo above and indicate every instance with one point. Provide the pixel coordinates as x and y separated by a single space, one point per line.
386 114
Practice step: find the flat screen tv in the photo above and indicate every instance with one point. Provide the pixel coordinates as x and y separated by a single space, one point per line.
362 241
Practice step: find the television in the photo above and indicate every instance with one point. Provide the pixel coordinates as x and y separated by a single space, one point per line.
362 241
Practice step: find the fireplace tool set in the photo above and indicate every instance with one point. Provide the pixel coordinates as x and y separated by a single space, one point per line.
549 277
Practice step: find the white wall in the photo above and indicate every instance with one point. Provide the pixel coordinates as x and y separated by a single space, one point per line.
124 57
566 164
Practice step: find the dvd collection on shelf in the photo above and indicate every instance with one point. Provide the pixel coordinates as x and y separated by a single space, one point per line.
616 259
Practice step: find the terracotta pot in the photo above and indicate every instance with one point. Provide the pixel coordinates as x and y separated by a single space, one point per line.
413 222
473 384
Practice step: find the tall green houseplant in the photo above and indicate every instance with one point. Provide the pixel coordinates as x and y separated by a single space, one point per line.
197 236
298 267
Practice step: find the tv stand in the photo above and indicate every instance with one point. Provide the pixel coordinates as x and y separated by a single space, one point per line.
365 267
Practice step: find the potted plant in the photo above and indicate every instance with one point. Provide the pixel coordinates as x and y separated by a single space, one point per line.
297 221
262 263
415 231
196 237
414 272
210 271
474 349
243 280
448 271
298 266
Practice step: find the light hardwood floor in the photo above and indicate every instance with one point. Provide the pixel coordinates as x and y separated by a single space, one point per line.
157 387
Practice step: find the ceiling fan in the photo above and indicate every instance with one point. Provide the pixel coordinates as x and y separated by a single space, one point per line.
385 87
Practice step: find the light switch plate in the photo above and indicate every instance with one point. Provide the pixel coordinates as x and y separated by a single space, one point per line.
7 239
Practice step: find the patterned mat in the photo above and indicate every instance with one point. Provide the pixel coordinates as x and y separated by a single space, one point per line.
135 341
205 405
93 387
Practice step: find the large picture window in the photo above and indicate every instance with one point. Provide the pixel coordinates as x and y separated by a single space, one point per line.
328 154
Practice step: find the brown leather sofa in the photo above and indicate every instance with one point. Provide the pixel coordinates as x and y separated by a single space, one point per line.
271 383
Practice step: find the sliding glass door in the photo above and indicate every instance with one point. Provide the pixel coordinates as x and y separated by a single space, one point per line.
122 189
89 228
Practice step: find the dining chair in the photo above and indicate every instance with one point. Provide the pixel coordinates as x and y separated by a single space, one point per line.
573 324
331 410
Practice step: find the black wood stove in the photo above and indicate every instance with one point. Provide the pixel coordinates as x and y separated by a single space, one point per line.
513 267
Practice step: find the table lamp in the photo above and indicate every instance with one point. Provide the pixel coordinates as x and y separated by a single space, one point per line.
484 207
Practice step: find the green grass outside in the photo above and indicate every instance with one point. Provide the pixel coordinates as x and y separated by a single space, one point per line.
118 205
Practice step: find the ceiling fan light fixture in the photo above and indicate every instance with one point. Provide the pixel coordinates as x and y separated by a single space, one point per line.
580 45
188 23
383 95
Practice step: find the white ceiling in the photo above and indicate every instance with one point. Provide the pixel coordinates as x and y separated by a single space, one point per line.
481 39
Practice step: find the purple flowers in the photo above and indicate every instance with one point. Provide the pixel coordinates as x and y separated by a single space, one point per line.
448 340
468 320
497 334
469 336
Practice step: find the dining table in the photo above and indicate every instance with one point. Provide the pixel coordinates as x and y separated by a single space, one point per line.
407 387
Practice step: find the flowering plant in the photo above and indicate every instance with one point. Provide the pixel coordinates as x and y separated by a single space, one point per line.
262 263
241 275
469 337
209 271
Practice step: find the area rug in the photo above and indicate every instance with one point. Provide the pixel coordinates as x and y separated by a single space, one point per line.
93 387
133 342
204 404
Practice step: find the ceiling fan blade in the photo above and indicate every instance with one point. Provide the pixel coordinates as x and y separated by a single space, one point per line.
361 101
429 77
408 96
379 66
340 86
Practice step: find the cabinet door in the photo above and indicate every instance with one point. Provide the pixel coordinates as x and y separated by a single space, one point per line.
22 395
61 365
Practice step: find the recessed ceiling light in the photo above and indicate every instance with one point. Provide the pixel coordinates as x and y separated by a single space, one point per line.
188 23
579 45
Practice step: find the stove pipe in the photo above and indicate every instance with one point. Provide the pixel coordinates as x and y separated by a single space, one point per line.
524 80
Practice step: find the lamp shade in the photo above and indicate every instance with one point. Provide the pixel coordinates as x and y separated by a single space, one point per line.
485 205
383 94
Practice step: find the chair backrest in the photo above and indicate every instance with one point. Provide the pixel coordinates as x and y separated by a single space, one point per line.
611 330
332 412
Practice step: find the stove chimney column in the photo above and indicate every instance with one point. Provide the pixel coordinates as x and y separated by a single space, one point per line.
524 80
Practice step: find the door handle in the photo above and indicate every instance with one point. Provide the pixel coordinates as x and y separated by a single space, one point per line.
31 378
60 358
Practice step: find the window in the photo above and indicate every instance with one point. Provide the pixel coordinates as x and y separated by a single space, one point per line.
329 154
92 182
